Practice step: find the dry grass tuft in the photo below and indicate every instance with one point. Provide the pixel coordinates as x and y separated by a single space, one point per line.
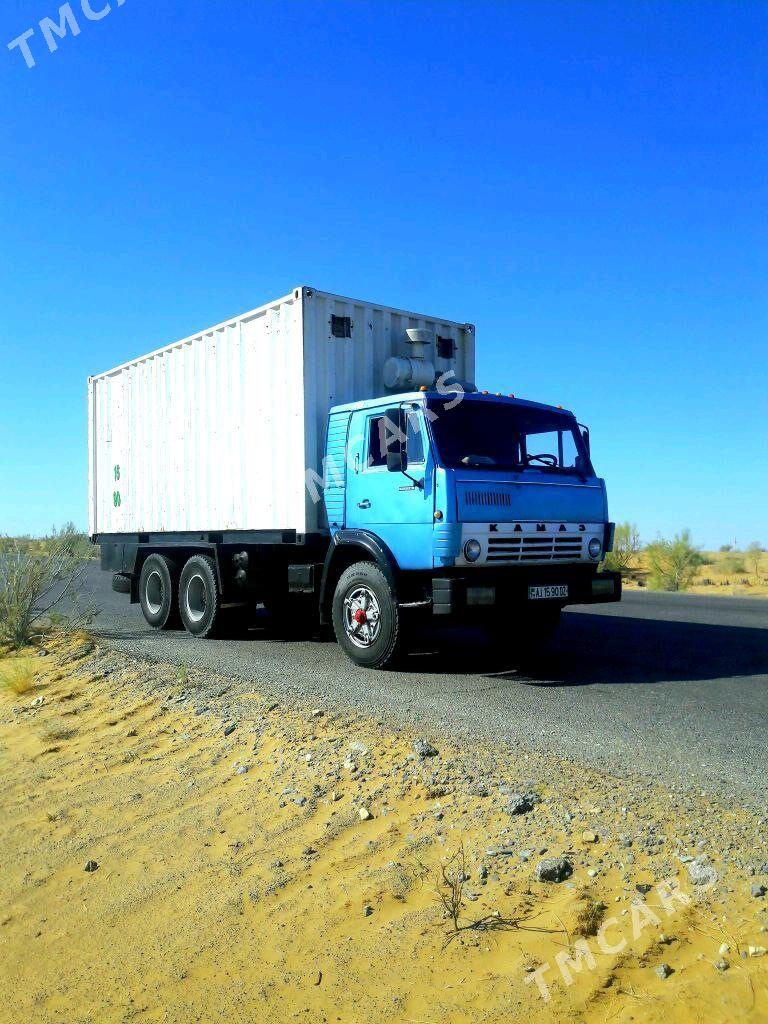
17 675
590 916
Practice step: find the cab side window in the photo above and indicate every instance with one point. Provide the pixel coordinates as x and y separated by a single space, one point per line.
414 441
380 436
377 443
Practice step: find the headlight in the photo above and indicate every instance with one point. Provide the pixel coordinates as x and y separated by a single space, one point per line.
472 550
595 547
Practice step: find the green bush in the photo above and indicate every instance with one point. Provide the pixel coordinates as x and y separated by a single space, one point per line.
74 541
673 564
754 556
733 564
626 545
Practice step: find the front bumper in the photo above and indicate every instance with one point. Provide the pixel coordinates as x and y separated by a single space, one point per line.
461 594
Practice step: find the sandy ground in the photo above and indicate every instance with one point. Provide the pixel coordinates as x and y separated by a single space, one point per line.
288 869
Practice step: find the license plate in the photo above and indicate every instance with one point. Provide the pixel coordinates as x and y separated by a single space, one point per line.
544 593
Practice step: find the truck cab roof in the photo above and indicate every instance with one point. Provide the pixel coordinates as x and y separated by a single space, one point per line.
423 396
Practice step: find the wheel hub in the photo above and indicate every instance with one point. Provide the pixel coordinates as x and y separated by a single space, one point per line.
361 616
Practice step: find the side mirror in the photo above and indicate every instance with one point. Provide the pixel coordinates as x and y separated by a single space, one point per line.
396 462
393 440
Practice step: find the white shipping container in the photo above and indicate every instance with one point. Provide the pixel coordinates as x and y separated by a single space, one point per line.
217 431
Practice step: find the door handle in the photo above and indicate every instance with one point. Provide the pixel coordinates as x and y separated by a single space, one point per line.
365 503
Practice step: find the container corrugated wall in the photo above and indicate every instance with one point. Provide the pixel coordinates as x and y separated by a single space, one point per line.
207 434
223 430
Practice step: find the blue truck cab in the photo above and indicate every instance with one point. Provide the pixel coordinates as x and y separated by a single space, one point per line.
459 505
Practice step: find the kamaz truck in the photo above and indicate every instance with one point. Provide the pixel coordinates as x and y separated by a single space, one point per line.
334 461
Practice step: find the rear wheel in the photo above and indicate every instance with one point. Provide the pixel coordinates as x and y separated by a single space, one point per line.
199 597
366 618
158 592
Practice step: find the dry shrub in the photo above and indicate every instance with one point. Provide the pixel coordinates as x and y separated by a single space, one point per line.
43 592
449 894
449 886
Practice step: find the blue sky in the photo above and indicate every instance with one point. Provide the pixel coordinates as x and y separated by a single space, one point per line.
584 181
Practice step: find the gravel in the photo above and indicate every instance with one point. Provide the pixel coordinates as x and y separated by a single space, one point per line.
698 665
576 804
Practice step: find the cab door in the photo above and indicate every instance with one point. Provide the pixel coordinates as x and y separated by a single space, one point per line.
397 508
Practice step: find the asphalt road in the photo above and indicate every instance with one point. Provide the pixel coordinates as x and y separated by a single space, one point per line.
668 685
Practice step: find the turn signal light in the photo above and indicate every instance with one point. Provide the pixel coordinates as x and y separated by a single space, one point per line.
438 515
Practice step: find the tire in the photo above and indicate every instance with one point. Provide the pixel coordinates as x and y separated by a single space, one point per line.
199 597
121 584
376 641
158 592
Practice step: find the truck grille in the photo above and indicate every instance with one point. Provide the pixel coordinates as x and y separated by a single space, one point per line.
535 547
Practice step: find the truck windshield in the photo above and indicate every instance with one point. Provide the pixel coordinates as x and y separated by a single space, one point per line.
483 434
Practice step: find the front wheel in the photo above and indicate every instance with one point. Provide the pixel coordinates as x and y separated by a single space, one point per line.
366 618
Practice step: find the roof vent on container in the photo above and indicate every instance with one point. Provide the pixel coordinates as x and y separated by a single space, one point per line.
414 371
